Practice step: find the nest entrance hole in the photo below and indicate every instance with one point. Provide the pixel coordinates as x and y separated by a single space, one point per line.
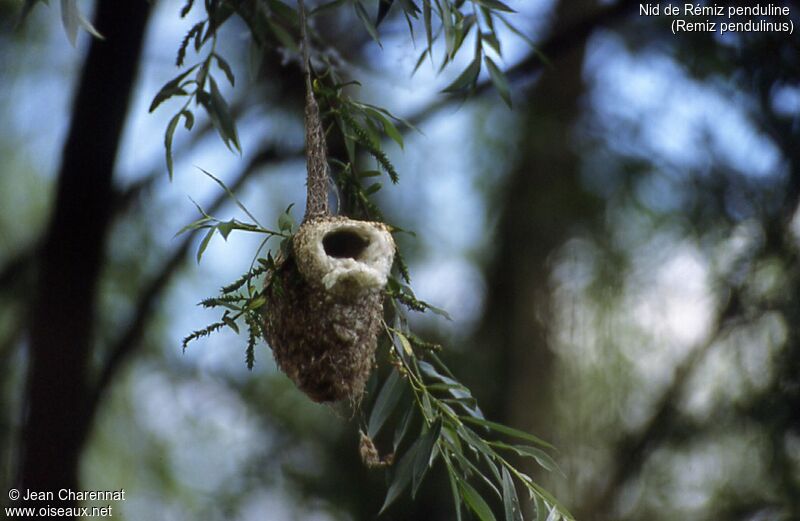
345 244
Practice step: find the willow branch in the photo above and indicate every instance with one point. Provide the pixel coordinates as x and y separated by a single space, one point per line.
128 341
552 48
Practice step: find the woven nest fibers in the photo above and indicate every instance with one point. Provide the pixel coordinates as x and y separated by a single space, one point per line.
325 306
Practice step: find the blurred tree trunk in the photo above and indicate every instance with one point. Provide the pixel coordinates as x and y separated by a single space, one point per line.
542 203
57 419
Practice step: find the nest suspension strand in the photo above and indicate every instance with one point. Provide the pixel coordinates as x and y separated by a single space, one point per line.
325 303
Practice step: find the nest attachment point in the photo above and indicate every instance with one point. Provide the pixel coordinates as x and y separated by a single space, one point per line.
325 305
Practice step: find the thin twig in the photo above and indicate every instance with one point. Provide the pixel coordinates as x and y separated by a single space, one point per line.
316 149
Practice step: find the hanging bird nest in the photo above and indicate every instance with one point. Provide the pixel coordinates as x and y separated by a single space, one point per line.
325 306
325 299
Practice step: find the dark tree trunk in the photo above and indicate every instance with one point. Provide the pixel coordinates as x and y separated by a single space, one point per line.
57 421
543 203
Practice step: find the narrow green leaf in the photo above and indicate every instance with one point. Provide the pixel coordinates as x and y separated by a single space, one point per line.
450 31
284 11
431 372
453 478
189 119
227 127
470 469
204 243
88 27
462 29
69 18
201 211
411 9
423 461
489 460
325 7
510 498
504 429
441 387
171 88
420 60
494 43
477 443
402 427
368 25
387 400
173 124
226 228
255 57
427 408
453 440
549 498
186 8
525 37
255 304
391 116
487 16
388 127
472 408
437 311
402 476
410 26
230 323
497 5
223 65
540 507
230 194
374 187
198 37
499 80
406 344
467 78
165 94
283 36
371 129
476 502
218 16
541 457
285 222
195 225
349 139
426 17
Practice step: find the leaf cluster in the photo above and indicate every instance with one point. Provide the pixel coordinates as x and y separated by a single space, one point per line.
273 23
363 128
454 22
453 430
198 84
243 300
